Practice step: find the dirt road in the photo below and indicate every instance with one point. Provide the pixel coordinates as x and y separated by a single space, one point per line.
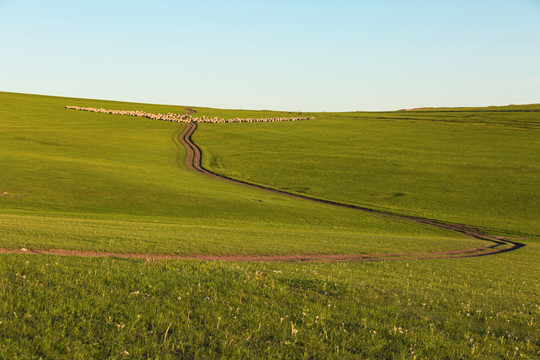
182 138
496 244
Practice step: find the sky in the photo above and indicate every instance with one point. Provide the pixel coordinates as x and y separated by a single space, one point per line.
297 55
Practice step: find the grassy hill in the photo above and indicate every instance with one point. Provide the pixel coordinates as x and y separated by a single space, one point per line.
475 166
87 181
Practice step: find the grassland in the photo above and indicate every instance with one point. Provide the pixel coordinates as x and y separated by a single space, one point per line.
99 182
476 308
471 166
85 181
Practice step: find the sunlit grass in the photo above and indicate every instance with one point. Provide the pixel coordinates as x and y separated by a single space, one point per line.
104 183
473 167
127 175
478 308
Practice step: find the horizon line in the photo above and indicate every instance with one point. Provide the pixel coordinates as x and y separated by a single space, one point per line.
416 108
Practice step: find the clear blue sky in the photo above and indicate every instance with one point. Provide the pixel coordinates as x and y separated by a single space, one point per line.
281 54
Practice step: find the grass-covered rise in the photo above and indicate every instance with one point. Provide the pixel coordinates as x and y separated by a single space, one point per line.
96 182
90 181
187 236
478 168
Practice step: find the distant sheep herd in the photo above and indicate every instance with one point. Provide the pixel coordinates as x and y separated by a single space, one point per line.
186 117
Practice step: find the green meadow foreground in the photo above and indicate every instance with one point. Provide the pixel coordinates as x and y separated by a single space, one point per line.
96 182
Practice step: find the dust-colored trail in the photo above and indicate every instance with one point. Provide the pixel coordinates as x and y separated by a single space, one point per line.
318 258
182 138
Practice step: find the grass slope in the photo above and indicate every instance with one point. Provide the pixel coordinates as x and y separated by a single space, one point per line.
87 181
98 182
472 166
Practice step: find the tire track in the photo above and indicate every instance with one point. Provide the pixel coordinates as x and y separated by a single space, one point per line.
182 138
497 244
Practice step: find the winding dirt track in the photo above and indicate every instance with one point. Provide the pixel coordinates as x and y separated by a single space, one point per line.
496 244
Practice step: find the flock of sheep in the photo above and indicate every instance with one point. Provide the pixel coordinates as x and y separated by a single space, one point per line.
185 117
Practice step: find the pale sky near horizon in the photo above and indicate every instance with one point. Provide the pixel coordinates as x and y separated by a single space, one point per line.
281 55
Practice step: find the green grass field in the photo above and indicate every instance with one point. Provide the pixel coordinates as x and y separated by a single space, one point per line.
94 182
115 183
473 167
